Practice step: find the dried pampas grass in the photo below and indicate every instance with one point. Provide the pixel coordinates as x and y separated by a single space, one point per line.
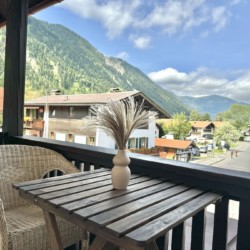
119 118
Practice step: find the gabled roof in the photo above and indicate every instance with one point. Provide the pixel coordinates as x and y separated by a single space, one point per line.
92 99
200 124
33 6
83 99
1 99
218 124
169 143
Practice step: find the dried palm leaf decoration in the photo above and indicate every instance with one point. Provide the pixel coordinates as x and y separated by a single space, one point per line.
119 118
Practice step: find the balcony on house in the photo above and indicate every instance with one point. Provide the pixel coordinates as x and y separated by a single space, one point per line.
232 185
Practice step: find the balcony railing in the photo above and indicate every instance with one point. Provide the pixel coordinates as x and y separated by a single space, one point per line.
231 184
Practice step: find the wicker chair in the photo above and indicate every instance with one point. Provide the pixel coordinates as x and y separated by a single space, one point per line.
22 225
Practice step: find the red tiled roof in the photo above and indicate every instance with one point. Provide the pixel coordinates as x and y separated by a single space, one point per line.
169 143
200 124
218 124
1 99
86 99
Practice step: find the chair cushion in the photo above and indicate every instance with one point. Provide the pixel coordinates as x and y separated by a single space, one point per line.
27 229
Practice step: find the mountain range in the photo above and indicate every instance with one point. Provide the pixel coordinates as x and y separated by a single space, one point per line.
58 58
212 104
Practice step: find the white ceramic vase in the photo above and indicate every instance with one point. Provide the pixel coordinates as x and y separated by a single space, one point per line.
120 172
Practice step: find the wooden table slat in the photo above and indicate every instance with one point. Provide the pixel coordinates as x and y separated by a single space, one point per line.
57 182
131 218
131 207
61 190
55 191
96 197
161 225
81 195
138 192
58 178
137 219
84 194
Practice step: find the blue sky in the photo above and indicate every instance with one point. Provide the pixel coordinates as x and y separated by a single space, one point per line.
190 47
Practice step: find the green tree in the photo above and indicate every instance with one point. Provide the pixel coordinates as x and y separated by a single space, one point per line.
227 133
161 127
194 115
238 115
179 126
205 117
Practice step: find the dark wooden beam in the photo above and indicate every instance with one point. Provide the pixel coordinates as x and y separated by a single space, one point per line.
15 61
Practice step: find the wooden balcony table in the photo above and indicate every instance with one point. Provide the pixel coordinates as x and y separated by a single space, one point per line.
131 219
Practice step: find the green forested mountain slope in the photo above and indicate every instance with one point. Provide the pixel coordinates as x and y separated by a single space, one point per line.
58 58
212 104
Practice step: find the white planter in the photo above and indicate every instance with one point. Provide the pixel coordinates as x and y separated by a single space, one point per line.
120 172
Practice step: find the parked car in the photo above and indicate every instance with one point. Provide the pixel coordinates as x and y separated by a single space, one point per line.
203 149
195 151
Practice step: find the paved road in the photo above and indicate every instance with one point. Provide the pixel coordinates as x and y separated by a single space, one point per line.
241 163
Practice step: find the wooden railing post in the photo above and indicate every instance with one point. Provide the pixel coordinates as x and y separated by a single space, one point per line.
197 235
178 237
243 236
220 225
234 184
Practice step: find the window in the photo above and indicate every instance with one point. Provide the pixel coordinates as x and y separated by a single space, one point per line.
70 138
132 143
58 112
91 140
52 135
143 142
77 112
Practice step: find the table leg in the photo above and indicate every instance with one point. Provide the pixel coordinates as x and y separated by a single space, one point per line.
98 243
152 246
52 231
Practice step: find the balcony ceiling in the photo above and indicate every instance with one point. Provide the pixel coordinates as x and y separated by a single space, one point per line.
34 6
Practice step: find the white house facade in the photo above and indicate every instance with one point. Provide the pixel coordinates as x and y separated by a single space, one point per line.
63 119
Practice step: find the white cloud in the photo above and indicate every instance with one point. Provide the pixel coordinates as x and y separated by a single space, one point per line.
203 81
140 42
123 55
169 75
115 15
220 17
170 17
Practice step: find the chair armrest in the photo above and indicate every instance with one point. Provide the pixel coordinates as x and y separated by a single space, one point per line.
3 229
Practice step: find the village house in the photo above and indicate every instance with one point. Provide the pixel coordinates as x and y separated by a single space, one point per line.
201 128
202 131
173 149
61 117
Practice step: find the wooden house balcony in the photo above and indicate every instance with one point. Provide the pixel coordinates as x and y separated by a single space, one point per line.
220 232
230 184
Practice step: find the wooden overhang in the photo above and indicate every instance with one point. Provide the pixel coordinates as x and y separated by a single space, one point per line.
33 7
14 14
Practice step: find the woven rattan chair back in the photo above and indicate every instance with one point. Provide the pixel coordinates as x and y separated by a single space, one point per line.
20 163
22 226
